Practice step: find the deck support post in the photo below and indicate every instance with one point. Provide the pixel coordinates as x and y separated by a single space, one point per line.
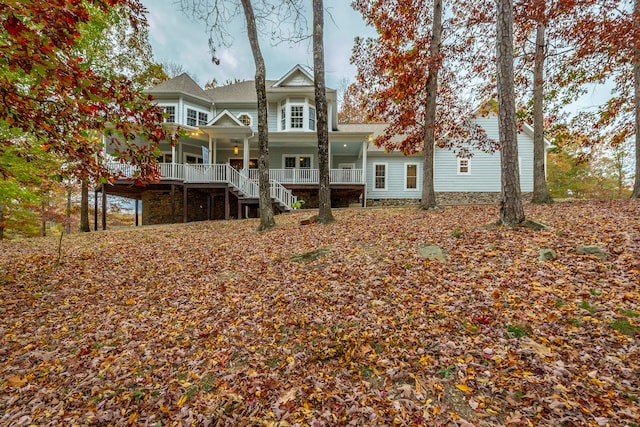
136 211
104 208
245 155
226 203
184 204
173 203
95 209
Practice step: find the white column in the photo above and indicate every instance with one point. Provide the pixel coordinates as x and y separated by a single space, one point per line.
245 155
210 147
173 160
365 144
329 154
215 151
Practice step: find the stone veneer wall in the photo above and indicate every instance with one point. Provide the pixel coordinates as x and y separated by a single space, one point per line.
450 198
156 206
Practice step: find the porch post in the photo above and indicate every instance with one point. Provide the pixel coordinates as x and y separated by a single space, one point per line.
245 155
104 208
210 147
365 144
215 151
173 161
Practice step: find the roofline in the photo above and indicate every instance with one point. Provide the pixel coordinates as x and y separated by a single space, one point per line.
182 93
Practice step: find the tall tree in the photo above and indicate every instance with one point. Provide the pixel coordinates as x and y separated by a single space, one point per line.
411 76
267 220
511 210
280 15
322 126
636 94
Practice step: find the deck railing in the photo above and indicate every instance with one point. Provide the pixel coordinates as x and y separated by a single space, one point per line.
311 176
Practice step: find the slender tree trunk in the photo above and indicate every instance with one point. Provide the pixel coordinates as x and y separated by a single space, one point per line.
322 126
428 192
267 220
43 222
1 221
84 207
636 78
511 210
540 190
67 225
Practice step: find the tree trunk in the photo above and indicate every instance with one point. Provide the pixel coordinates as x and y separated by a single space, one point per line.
267 220
540 190
67 225
636 99
511 210
428 192
1 221
43 222
84 207
322 123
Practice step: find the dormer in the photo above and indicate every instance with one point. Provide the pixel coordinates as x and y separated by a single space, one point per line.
183 101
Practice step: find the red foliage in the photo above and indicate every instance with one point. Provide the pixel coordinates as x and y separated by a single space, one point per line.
52 96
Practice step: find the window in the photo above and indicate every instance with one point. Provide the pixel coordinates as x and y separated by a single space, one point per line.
169 114
312 118
164 158
203 119
297 116
301 161
411 176
305 162
380 176
192 117
289 162
192 160
464 166
245 119
283 117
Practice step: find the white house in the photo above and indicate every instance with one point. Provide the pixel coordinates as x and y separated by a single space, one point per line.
212 172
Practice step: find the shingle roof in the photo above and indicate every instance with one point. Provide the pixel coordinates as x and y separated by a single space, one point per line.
182 83
236 92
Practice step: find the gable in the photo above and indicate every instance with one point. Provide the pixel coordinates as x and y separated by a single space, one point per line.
296 77
226 119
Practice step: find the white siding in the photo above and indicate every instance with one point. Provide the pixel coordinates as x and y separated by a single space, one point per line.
395 178
484 167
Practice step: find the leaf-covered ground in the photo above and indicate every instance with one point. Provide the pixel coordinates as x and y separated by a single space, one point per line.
216 324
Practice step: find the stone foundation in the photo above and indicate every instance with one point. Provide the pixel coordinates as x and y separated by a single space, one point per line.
449 199
156 206
340 197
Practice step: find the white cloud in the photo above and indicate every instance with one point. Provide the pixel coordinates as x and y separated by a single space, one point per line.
179 39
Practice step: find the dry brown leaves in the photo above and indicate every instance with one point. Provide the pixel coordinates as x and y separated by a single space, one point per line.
216 324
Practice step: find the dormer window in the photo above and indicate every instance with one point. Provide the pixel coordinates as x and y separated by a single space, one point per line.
297 114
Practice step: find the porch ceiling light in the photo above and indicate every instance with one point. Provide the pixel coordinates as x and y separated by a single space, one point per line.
235 149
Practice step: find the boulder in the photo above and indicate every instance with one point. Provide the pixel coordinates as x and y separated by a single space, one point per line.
547 254
591 250
432 252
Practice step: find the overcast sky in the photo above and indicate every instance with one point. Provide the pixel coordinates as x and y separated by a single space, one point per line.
177 38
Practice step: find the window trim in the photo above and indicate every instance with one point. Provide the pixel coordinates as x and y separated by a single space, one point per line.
459 166
406 175
286 119
205 121
386 176
313 120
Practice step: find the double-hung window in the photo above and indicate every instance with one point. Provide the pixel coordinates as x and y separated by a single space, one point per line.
380 176
464 166
203 119
169 114
297 116
192 117
312 118
411 176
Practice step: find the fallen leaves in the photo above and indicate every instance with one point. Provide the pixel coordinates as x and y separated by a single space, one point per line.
245 328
